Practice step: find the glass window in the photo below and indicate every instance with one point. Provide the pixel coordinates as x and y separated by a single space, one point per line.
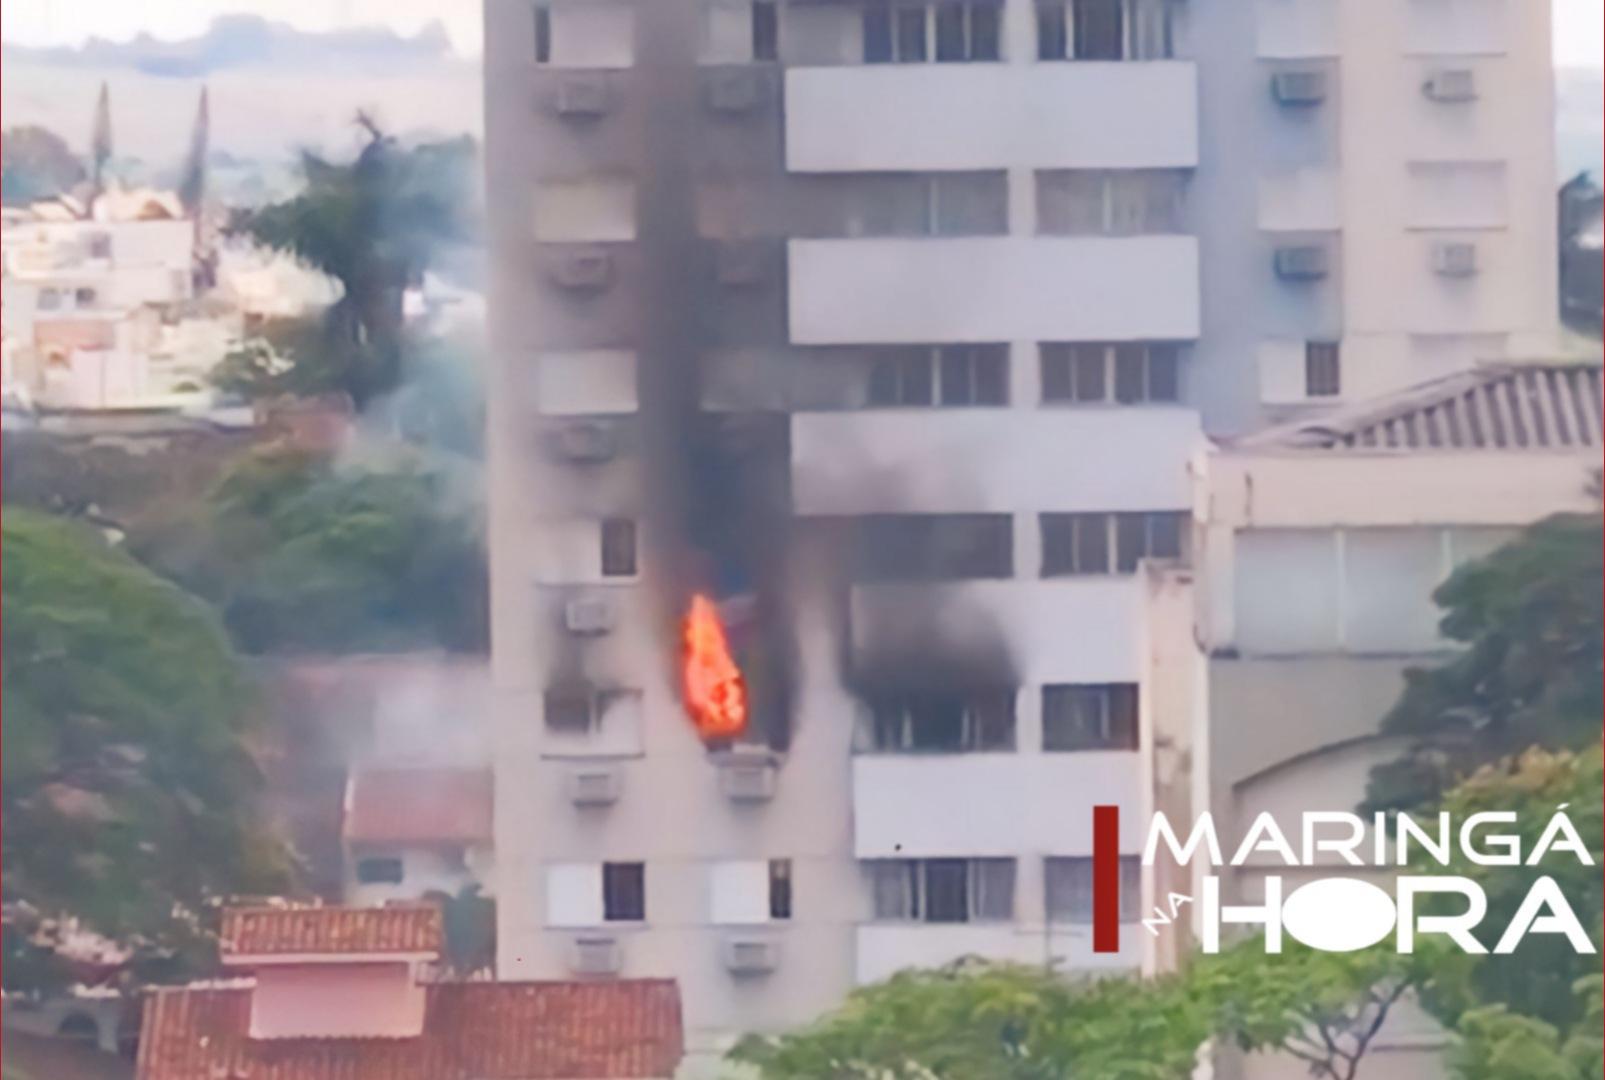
910 35
1099 716
765 30
618 548
878 33
1322 369
1069 889
624 892
543 34
780 888
379 871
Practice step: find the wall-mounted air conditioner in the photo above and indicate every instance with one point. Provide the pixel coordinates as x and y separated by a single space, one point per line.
589 616
596 955
584 270
747 776
1451 84
735 90
1302 87
1301 262
750 954
594 785
739 264
580 97
584 442
1454 258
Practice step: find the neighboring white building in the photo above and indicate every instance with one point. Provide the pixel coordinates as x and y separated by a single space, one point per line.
414 832
902 337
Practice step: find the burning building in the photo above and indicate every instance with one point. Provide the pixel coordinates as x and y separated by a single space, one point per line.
851 363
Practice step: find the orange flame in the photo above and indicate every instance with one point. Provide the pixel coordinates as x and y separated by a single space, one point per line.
715 692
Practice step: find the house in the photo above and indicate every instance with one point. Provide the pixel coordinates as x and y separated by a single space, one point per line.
344 994
410 832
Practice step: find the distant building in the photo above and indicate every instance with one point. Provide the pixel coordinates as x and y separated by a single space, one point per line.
411 832
346 994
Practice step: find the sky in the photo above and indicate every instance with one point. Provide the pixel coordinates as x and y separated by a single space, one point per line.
1579 24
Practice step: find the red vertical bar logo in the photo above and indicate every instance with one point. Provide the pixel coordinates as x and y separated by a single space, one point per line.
1106 879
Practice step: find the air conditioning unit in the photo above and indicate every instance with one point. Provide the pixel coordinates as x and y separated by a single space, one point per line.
580 98
1454 258
748 777
750 954
584 442
734 91
596 955
594 785
739 264
1451 84
584 270
589 616
1301 262
1306 87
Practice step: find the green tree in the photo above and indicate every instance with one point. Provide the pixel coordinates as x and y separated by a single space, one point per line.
1530 618
37 164
1495 1044
374 225
128 789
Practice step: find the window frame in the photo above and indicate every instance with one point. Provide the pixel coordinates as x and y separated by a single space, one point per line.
368 878
543 33
1319 382
1119 707
984 900
618 542
619 881
766 31
888 38
894 722
1077 357
782 894
1062 551
1067 889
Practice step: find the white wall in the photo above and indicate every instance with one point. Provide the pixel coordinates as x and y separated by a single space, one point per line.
884 950
988 116
990 289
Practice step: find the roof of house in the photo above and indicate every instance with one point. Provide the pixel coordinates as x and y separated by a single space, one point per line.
294 931
419 806
472 1031
1508 406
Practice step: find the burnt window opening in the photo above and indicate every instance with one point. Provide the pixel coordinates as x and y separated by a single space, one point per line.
952 31
583 712
624 892
1093 716
543 33
934 547
1090 373
1068 889
765 30
380 870
618 548
937 722
1074 544
951 376
942 890
780 888
1323 369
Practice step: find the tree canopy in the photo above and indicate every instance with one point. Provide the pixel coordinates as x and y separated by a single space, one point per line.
37 163
128 787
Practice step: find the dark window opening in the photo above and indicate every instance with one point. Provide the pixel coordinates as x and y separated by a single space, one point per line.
1128 374
624 892
568 711
902 378
1053 32
950 44
986 32
916 547
1100 30
934 722
975 375
947 891
943 890
1074 544
379 870
765 30
878 33
1099 716
1323 376
780 888
618 548
910 35
543 34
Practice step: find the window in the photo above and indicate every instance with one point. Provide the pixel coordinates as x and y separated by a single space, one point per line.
934 547
1122 202
952 31
84 297
1082 543
1068 883
765 30
935 722
618 548
951 376
543 33
917 204
379 870
1093 716
1105 29
780 888
624 892
49 299
942 890
582 711
1323 373
1129 373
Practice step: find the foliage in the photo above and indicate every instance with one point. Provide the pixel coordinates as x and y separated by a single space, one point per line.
37 164
301 553
1536 979
128 790
1530 617
1498 1045
374 224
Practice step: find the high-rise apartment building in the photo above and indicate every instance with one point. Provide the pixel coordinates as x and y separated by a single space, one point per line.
895 330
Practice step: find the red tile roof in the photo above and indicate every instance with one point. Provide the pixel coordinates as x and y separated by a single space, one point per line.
419 806
274 931
472 1031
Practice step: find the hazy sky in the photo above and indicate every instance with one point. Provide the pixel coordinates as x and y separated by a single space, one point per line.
1579 24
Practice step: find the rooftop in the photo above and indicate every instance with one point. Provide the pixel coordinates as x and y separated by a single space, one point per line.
1552 406
419 806
472 1031
295 931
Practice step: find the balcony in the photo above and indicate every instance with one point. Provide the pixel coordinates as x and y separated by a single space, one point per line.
971 805
986 116
983 289
995 460
887 948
